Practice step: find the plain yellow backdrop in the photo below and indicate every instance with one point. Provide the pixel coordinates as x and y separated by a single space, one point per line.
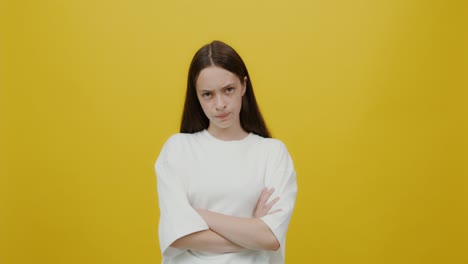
369 96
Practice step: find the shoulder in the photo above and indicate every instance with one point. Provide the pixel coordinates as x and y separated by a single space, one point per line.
177 144
277 152
180 139
273 144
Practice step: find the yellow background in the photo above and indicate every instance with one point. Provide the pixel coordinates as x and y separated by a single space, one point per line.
369 96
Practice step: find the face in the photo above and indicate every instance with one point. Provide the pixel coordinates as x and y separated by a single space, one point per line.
220 94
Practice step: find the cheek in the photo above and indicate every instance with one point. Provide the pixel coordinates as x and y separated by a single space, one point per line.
239 104
205 106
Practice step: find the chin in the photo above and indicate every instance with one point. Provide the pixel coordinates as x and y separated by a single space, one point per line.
222 126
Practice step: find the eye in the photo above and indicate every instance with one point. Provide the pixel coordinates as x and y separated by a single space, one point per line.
206 95
229 90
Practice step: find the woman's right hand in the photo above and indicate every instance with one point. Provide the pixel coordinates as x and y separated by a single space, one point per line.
263 208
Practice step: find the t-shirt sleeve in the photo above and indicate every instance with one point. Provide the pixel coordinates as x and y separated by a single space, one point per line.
177 217
282 176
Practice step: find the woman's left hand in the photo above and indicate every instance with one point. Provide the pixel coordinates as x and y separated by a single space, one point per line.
263 208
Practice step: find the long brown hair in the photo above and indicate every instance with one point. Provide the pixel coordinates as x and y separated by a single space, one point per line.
220 54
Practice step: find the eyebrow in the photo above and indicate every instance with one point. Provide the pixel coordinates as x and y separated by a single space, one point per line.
222 88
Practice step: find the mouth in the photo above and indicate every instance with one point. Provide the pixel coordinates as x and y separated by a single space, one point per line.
222 116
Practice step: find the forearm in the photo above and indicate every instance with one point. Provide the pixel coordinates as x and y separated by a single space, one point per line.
206 240
251 233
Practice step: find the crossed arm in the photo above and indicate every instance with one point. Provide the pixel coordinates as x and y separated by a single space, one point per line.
233 234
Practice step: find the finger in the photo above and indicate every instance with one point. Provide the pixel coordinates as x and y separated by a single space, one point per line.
275 211
271 203
267 196
262 199
266 193
259 210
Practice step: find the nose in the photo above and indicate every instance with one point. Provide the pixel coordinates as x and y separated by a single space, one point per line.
220 103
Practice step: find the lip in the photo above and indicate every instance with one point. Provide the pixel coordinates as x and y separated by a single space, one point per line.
222 116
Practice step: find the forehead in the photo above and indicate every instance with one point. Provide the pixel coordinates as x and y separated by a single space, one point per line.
215 77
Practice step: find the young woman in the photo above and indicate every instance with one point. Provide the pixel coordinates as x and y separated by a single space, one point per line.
226 189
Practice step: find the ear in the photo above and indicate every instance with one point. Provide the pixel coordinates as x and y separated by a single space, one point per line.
244 86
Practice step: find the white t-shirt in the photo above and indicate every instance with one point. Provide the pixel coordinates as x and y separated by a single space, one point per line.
200 171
